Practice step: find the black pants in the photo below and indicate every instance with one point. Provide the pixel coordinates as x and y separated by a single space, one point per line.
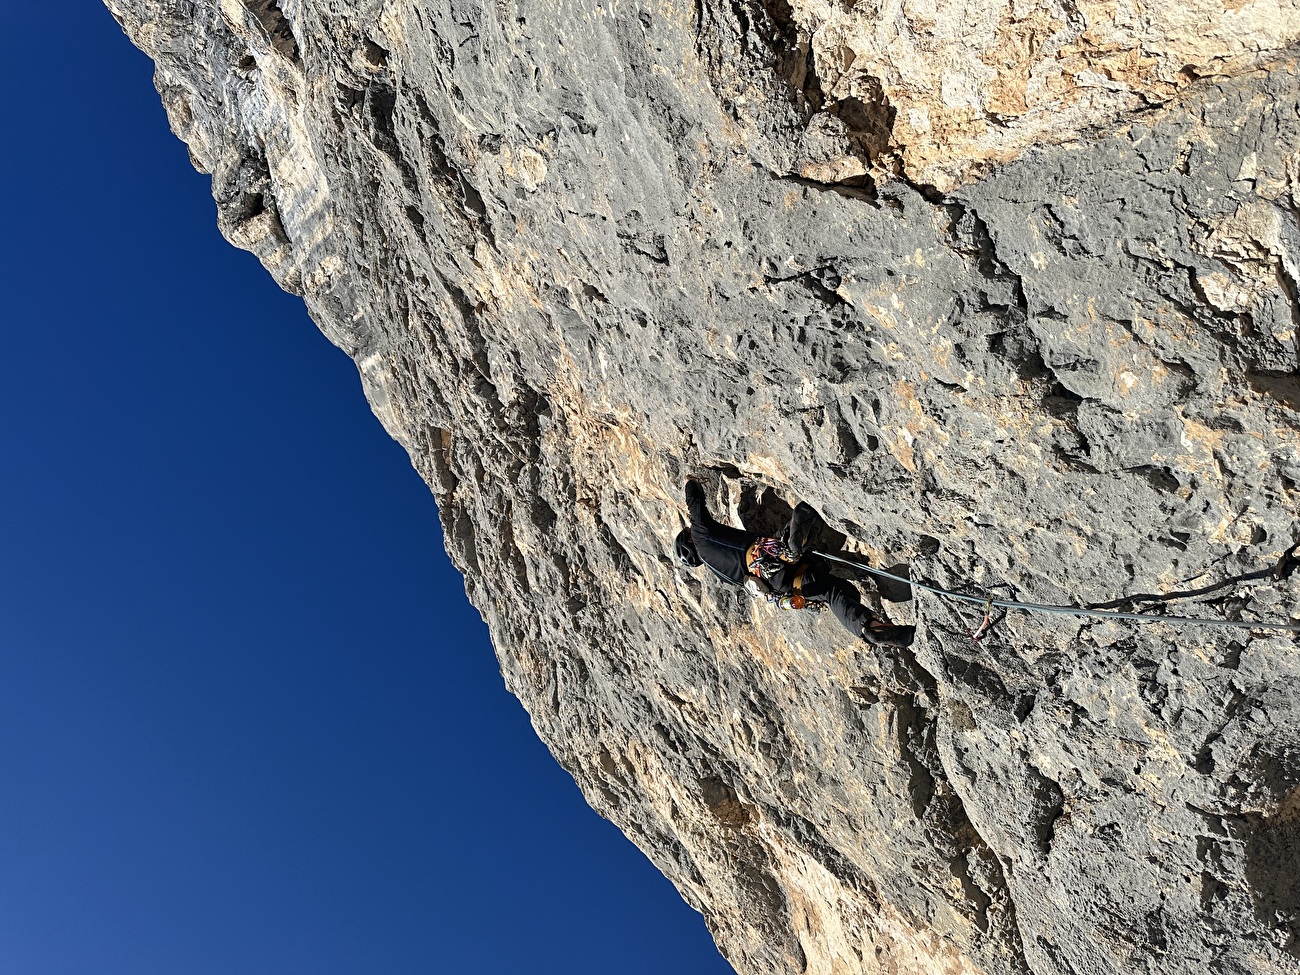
819 586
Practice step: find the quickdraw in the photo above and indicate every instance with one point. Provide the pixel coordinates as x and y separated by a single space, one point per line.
983 629
766 557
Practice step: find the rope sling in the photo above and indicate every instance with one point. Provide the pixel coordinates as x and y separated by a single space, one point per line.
1285 566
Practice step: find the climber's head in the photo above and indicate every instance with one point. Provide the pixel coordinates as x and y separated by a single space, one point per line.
685 548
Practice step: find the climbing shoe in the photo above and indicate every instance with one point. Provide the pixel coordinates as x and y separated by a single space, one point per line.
881 634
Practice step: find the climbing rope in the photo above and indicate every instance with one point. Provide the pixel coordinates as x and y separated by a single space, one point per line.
988 602
1285 566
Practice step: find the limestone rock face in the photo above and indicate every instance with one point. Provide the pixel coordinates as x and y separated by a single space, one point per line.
580 250
960 84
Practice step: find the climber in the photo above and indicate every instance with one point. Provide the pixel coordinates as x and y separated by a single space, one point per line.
779 569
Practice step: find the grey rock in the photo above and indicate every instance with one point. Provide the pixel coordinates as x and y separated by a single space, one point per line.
571 251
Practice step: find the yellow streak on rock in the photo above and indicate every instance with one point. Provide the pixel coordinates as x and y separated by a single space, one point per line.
767 467
836 924
1200 442
902 443
973 85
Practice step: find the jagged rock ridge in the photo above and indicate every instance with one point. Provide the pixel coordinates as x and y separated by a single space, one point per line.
579 250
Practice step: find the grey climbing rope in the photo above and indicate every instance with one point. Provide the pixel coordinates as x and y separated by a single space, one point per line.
988 601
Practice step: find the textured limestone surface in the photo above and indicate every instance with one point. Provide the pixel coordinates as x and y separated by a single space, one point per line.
576 253
959 84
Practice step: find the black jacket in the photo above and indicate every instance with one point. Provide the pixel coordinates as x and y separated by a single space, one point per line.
723 548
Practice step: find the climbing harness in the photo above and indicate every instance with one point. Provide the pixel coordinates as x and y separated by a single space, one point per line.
766 557
1285 566
987 622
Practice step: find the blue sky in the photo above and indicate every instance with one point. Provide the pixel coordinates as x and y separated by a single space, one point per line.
248 720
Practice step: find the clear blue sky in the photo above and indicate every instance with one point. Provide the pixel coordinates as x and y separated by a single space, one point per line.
248 721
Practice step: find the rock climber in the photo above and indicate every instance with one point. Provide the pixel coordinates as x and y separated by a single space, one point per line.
780 570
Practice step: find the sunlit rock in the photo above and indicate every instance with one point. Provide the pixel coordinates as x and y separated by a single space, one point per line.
579 250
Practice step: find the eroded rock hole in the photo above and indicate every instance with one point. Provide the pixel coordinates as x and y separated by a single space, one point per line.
376 56
279 32
725 804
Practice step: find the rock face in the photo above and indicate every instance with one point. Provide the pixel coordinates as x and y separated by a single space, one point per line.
579 250
959 85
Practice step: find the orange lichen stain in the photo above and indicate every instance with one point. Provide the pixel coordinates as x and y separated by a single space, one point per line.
901 448
865 550
1006 94
941 352
1013 59
1116 337
917 424
608 453
884 318
767 467
835 170
1200 442
1198 434
766 643
1231 528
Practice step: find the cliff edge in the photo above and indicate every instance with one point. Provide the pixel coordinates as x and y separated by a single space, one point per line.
1007 292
